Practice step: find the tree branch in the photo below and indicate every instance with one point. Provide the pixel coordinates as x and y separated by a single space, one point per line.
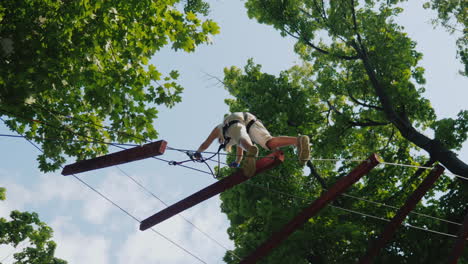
308 43
356 29
368 123
434 147
313 172
361 103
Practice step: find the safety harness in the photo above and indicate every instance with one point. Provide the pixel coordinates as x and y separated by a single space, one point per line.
197 157
228 125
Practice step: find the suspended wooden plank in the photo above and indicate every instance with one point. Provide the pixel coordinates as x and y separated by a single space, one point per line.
263 164
396 221
457 251
137 153
338 188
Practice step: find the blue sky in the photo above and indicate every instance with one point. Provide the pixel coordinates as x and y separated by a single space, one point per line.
90 230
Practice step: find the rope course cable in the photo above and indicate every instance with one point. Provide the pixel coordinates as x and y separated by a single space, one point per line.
227 154
336 160
356 212
141 186
358 198
122 209
322 159
180 215
71 140
20 246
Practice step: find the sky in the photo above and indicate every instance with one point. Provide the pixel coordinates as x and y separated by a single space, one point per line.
88 229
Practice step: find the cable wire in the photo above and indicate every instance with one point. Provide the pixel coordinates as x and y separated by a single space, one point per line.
356 212
180 215
314 159
326 159
71 140
122 209
13 250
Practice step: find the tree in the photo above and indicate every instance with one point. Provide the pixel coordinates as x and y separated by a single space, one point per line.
359 91
69 68
26 227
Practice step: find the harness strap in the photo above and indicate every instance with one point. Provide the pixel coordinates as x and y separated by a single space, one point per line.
228 125
250 124
225 129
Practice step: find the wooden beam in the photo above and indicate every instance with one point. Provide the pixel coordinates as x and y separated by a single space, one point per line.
396 221
237 177
460 243
338 188
137 153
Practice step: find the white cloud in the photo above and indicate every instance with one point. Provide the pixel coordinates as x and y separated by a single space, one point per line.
76 247
148 247
17 196
87 242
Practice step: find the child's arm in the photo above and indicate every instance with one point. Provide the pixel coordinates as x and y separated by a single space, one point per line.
213 135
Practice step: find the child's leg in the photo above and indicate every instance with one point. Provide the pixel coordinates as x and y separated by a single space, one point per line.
301 143
283 141
245 143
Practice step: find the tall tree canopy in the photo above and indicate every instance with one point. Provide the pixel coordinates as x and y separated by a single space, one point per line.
69 67
358 91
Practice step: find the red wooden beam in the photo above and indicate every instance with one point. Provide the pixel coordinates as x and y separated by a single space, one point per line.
460 244
237 177
396 221
137 153
338 188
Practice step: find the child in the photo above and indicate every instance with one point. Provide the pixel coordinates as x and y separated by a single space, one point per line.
244 130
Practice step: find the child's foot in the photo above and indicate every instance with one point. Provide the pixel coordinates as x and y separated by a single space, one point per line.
303 149
250 161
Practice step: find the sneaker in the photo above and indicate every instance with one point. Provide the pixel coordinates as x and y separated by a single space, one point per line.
249 167
303 150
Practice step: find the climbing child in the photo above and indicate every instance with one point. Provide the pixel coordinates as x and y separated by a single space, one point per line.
244 130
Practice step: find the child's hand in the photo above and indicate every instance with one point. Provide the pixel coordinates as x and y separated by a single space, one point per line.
197 155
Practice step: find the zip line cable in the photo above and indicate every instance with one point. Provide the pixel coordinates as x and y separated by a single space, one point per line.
122 209
313 159
184 150
373 202
71 140
388 220
325 159
183 217
20 246
141 186
357 212
396 208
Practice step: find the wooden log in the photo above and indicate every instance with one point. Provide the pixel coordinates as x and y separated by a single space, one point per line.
137 153
338 188
396 221
457 251
234 179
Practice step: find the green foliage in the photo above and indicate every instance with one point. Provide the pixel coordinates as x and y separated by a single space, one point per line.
452 132
350 49
2 194
68 68
197 6
453 15
26 227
